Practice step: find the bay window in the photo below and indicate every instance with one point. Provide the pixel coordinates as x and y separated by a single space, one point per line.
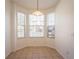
37 26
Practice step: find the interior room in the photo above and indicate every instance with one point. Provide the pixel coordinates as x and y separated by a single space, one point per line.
39 29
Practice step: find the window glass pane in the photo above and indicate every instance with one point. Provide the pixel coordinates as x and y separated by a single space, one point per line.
51 31
20 27
51 19
36 23
36 20
36 31
20 30
20 22
20 34
21 19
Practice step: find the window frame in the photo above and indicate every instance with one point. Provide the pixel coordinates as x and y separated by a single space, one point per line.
17 24
36 25
50 25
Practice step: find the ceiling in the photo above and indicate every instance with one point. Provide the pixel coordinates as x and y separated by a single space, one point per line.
32 4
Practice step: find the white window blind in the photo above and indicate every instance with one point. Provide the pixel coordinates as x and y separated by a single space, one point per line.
51 25
36 26
20 24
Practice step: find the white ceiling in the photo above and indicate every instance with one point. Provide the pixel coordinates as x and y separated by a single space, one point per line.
32 4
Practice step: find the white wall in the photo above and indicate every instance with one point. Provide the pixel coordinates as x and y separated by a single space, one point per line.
7 29
25 42
65 28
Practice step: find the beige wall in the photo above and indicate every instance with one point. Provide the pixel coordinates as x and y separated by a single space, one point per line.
8 28
65 28
25 42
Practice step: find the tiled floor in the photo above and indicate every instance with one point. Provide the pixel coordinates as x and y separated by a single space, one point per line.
35 53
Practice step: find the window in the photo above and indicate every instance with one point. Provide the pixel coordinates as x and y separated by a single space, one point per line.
20 24
36 26
51 25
